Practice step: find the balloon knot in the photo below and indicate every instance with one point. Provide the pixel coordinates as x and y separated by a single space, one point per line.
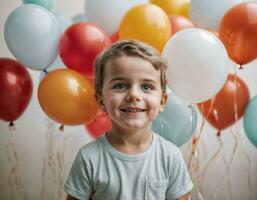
11 126
61 128
194 140
241 67
218 133
46 72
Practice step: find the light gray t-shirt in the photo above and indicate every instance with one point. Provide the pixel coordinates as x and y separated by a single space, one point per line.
101 172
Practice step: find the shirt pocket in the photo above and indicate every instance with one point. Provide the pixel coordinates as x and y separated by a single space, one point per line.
156 189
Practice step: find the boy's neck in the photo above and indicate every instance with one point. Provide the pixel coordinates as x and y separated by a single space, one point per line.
128 142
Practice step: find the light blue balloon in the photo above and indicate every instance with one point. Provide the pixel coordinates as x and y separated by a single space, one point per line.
63 21
177 122
32 35
48 4
250 117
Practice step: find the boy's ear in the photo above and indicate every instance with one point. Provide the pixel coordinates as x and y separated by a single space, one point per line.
100 102
163 102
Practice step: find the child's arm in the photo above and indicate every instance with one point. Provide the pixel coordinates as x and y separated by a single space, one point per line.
70 198
185 197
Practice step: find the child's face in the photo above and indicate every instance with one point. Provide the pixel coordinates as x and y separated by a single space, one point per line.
132 94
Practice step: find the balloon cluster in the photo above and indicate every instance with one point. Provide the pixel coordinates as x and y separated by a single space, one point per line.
197 53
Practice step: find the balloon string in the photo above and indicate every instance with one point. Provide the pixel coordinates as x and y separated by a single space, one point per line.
48 161
249 168
227 171
61 164
195 141
218 186
194 159
13 176
228 164
215 155
235 94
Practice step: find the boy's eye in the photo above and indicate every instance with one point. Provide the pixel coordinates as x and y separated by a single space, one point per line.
120 86
147 87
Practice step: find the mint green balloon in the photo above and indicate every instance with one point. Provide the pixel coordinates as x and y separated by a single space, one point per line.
48 4
250 121
177 122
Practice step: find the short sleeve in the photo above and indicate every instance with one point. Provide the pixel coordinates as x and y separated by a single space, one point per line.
78 183
179 180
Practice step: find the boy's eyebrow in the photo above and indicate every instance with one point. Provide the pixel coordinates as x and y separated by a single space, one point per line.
122 79
116 79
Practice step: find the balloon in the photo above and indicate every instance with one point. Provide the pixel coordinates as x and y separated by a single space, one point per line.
178 23
16 89
57 64
108 13
79 46
208 13
238 31
177 122
115 37
99 125
67 97
147 23
64 22
228 105
48 4
197 64
79 18
250 117
32 35
173 7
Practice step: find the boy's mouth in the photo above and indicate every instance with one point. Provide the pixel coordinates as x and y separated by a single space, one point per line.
133 110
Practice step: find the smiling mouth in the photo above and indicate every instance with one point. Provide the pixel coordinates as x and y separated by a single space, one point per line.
133 110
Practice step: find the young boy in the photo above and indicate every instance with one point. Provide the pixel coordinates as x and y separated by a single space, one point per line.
129 162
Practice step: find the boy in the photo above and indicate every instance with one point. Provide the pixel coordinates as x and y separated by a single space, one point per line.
130 161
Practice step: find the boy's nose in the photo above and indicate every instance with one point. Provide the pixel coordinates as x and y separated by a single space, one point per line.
133 95
132 98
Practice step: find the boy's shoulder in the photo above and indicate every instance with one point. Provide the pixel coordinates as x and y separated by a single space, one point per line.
92 148
166 147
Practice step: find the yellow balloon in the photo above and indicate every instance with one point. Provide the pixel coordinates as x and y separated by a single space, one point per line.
67 97
173 7
147 23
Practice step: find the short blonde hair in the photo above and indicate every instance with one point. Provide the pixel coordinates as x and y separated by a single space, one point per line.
129 48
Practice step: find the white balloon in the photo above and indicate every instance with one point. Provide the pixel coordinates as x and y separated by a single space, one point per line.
32 35
108 13
197 64
208 13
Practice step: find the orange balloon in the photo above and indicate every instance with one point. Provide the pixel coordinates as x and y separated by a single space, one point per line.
148 23
173 7
238 31
228 105
179 22
67 97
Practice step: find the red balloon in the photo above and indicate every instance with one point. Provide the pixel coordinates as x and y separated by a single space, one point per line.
228 105
238 32
99 125
115 37
79 46
178 23
15 89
